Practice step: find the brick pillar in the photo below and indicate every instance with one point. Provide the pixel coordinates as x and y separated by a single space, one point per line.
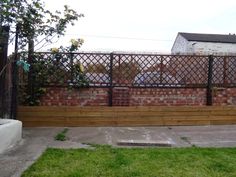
121 96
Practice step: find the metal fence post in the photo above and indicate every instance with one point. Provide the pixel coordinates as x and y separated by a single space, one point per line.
209 81
161 70
14 78
111 79
71 69
4 35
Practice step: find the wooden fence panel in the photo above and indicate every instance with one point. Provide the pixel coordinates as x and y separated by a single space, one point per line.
58 116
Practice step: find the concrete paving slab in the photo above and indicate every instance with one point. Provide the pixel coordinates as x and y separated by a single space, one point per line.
36 140
68 145
88 135
208 136
34 143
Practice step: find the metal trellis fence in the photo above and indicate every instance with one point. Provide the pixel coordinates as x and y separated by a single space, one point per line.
131 70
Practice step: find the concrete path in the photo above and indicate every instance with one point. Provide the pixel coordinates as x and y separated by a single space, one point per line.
36 140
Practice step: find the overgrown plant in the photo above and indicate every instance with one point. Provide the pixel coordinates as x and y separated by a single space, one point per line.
78 78
40 77
54 68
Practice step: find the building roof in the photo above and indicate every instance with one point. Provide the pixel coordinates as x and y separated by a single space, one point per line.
220 38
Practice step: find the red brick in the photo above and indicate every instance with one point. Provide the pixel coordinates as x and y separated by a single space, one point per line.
136 96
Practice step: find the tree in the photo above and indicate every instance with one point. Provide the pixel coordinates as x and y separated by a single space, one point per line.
34 26
30 20
34 21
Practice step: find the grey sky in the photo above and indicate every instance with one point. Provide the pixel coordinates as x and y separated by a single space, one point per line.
144 25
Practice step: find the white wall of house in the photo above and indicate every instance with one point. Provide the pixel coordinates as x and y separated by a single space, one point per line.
211 48
182 46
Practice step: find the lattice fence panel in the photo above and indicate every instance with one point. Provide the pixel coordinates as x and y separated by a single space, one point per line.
130 70
224 71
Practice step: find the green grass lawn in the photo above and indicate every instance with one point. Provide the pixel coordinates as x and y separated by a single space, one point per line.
106 161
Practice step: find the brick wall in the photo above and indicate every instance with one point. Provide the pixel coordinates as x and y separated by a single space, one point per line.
167 97
224 96
75 97
137 97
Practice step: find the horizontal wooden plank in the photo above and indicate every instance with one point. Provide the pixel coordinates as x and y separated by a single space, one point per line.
125 116
41 108
44 124
123 109
181 118
42 119
114 123
223 122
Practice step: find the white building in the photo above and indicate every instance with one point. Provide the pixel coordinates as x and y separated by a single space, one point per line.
204 44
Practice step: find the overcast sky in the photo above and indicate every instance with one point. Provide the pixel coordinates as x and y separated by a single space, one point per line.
144 25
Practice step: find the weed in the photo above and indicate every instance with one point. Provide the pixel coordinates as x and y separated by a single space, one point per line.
62 135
